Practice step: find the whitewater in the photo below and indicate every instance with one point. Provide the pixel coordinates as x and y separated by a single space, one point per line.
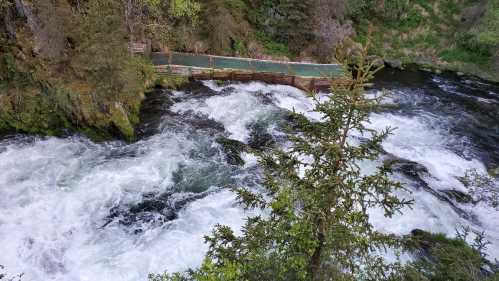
72 209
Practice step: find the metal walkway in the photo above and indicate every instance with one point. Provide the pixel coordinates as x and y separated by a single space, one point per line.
245 64
306 76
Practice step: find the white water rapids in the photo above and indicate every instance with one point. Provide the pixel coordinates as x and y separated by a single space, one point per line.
56 194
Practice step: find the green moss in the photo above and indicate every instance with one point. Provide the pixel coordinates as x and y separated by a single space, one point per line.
412 20
494 172
441 258
462 55
170 81
450 8
272 47
430 32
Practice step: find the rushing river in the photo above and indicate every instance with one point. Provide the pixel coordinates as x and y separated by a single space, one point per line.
71 209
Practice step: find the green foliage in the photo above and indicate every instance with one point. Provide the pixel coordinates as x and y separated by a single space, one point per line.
488 33
285 22
463 55
318 227
394 9
224 26
292 24
185 8
448 259
411 20
170 81
272 47
10 71
359 8
96 86
471 43
101 51
450 8
482 187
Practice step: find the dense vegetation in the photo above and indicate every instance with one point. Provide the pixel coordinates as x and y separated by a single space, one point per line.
66 65
54 54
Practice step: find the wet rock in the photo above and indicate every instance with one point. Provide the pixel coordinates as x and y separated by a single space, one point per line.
152 210
416 173
265 98
259 138
394 63
197 89
458 196
154 106
204 123
470 15
410 169
232 149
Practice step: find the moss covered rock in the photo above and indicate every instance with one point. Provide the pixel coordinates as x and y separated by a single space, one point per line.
54 111
439 258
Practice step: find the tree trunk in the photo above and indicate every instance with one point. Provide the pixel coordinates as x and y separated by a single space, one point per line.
129 21
316 259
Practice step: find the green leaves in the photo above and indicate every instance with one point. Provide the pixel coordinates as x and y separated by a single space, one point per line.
184 8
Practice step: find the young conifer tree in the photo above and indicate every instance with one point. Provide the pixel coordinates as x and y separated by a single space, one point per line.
317 226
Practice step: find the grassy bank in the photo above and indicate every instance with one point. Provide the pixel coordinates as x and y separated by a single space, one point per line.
457 35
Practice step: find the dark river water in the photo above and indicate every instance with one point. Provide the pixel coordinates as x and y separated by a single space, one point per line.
71 209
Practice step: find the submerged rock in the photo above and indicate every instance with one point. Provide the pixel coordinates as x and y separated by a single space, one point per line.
197 89
260 138
152 210
155 106
458 196
413 170
198 179
204 123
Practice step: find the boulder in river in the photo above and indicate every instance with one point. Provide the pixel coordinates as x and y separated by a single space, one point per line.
260 138
417 173
458 196
152 210
413 170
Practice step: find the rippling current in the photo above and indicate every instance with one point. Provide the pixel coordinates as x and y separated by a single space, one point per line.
71 209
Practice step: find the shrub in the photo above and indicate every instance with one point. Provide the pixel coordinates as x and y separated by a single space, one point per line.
394 9
358 8
472 43
439 258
